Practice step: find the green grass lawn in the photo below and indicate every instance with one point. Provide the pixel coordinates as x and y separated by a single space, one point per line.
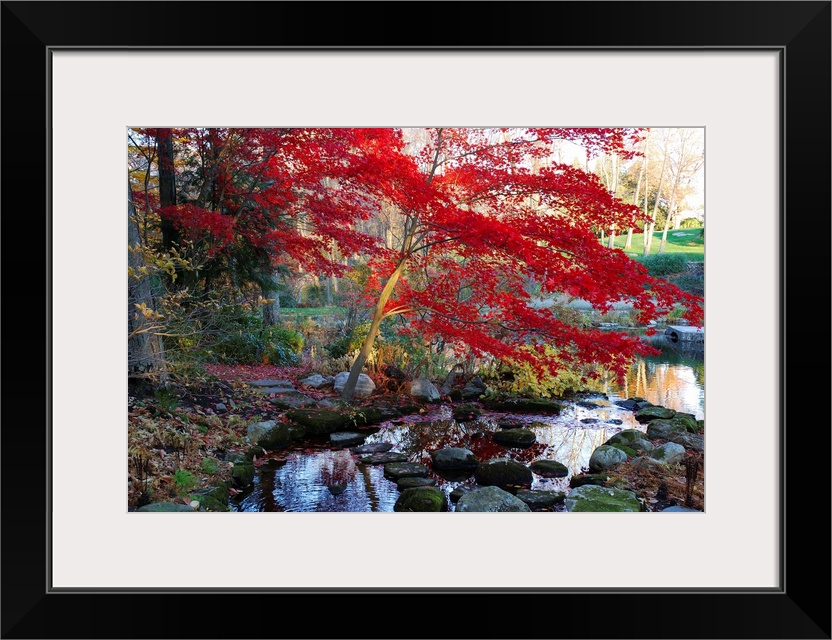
687 241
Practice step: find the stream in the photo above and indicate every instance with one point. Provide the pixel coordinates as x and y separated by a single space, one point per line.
300 481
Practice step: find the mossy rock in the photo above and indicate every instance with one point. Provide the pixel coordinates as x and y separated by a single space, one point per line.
279 436
384 458
588 478
521 438
688 421
213 498
665 429
365 416
606 457
319 422
631 453
165 507
523 405
549 468
693 441
631 438
421 499
460 491
504 473
490 500
647 414
408 409
243 474
466 412
668 453
455 395
591 497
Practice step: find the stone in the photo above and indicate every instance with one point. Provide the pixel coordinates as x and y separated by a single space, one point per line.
654 413
549 468
510 423
384 458
346 438
165 507
221 407
292 399
243 474
614 421
363 387
540 499
421 499
591 497
692 441
258 429
409 482
376 447
315 381
606 457
668 453
474 389
490 500
590 420
466 412
588 478
626 404
213 498
460 491
680 509
423 389
632 438
319 422
523 405
279 436
396 470
521 438
503 473
337 489
454 458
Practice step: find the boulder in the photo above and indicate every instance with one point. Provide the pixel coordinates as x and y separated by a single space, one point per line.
384 458
271 384
363 388
460 491
319 422
549 468
474 389
588 478
424 390
258 429
292 399
680 509
396 470
520 438
453 458
510 423
280 436
213 498
408 482
647 414
692 441
503 473
466 412
540 499
668 453
591 497
523 405
421 499
376 447
243 474
606 457
337 489
490 500
632 438
316 381
346 438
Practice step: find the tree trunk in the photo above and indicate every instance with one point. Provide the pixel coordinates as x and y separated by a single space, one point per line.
641 175
145 351
614 177
367 347
673 197
271 310
167 186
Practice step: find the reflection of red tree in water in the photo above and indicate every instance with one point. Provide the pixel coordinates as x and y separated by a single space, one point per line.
336 470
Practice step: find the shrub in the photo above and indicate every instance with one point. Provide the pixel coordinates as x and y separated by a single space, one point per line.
185 480
662 264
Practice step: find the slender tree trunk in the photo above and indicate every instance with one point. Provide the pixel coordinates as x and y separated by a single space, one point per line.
648 233
641 175
669 215
145 351
614 190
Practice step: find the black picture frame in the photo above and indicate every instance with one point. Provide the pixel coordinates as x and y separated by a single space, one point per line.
800 31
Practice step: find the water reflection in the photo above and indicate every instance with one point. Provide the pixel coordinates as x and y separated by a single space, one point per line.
304 476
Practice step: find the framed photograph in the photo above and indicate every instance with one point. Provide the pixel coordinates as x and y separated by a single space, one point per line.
754 77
